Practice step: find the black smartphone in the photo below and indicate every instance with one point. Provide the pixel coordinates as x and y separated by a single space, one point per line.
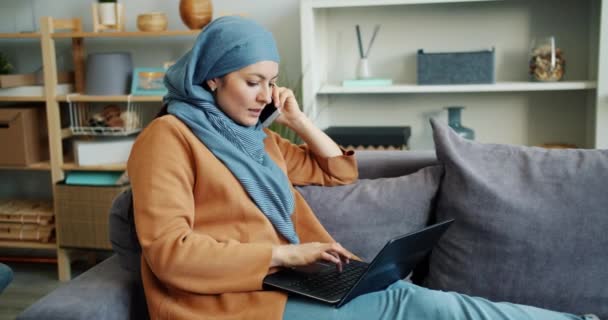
269 113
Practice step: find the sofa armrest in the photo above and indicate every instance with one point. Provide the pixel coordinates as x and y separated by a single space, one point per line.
106 291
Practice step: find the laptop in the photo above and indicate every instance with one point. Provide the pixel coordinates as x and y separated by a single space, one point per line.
323 282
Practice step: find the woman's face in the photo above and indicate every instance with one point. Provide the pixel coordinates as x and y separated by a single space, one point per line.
242 94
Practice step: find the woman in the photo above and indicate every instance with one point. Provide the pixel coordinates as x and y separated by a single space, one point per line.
215 209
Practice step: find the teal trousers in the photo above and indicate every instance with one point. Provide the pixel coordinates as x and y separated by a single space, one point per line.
404 300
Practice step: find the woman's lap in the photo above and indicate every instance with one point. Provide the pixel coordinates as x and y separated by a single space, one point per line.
404 300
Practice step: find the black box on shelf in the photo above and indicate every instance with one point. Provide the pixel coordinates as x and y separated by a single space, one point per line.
471 67
375 137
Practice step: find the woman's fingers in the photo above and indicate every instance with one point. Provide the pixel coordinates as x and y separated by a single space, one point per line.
334 258
335 253
343 253
303 254
275 96
284 94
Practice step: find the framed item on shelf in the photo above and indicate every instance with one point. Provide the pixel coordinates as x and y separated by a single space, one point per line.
148 82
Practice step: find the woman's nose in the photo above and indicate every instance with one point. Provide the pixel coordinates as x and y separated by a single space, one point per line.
265 95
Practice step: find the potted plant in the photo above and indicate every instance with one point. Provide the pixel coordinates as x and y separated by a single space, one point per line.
5 66
107 12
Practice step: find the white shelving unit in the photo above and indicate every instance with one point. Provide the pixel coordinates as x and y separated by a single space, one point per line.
514 110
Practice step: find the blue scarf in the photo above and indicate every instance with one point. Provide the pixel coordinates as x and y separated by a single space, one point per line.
228 44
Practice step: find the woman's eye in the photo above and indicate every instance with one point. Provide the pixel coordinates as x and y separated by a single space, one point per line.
252 84
272 85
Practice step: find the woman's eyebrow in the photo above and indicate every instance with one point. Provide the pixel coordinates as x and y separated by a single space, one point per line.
262 76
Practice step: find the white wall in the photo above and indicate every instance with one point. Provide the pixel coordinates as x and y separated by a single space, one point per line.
279 16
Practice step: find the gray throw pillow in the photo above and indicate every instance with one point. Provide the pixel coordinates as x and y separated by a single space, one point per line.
123 235
530 224
362 216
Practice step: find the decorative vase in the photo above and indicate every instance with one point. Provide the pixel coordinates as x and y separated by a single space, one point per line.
195 13
455 122
363 71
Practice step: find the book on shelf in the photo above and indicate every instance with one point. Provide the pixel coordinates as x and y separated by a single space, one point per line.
373 82
34 91
95 178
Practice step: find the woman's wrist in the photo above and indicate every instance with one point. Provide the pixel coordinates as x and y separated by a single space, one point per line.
276 260
300 124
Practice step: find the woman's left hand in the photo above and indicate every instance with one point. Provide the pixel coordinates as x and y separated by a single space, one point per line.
287 104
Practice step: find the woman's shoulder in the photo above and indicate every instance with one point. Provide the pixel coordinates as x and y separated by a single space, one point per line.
165 122
167 125
165 129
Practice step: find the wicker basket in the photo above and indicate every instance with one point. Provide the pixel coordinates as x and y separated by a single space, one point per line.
27 232
26 211
82 214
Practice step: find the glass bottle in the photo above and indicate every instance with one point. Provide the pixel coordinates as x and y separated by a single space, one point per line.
455 122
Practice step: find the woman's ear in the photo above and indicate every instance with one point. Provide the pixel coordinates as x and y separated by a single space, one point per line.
213 84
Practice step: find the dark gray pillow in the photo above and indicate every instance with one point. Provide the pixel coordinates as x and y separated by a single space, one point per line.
123 236
364 215
530 224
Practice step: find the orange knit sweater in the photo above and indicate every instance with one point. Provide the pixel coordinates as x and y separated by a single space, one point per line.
206 247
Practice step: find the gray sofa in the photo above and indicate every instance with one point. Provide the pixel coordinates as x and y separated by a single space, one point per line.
530 227
112 289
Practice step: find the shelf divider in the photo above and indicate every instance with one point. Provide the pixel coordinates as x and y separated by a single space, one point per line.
118 98
38 166
27 244
125 34
71 166
22 98
471 88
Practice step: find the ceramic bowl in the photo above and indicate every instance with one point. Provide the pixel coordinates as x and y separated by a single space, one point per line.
152 22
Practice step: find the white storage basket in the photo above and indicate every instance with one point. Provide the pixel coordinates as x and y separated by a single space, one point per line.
105 119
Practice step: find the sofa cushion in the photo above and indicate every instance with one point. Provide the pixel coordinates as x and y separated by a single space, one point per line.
530 224
362 216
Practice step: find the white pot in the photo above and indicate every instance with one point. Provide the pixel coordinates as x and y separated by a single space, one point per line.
107 13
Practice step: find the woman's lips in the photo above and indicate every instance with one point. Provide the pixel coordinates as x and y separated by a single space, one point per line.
255 112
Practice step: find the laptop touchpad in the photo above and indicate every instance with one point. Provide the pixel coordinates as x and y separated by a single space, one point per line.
317 267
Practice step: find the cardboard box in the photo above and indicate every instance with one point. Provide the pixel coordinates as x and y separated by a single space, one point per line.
103 150
23 136
82 214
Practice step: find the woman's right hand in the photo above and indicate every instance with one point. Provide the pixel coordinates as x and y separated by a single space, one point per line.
295 255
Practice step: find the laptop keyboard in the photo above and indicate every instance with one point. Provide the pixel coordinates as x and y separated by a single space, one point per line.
331 285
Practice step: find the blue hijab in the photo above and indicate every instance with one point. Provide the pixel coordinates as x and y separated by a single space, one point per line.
228 44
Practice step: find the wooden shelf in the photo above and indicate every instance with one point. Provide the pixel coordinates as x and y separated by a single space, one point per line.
24 35
126 34
363 3
27 244
39 166
471 88
123 98
70 166
23 98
